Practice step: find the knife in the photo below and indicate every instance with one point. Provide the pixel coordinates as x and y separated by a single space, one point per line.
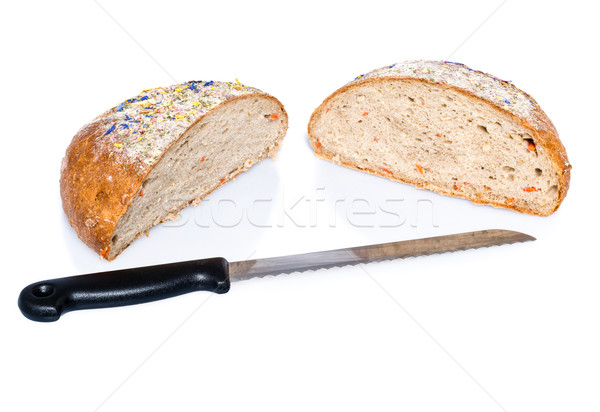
45 301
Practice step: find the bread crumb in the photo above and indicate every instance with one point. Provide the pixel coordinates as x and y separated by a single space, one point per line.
172 216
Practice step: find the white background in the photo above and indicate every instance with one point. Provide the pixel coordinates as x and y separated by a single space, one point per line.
511 328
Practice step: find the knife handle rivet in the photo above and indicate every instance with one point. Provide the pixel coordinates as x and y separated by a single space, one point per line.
43 290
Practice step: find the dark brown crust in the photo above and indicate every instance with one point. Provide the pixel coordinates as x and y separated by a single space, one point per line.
96 190
548 139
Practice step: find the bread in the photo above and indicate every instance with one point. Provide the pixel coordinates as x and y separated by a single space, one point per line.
141 162
445 127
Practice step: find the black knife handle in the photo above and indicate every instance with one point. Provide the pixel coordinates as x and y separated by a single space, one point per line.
46 301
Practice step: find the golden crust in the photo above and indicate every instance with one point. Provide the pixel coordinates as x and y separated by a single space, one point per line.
97 189
545 136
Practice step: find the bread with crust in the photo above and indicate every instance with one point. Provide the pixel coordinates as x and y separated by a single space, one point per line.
442 126
141 162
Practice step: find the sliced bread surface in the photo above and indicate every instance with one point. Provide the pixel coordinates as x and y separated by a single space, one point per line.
141 162
444 127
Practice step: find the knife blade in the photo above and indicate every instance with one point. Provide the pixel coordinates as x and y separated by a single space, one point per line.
47 300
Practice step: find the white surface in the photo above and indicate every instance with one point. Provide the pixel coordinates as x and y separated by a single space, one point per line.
513 328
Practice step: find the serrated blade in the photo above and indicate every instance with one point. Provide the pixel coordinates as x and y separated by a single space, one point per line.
249 269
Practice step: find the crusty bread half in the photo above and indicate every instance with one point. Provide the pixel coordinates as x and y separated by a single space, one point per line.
141 162
445 127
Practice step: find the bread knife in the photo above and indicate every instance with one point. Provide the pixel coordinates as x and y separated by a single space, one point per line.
45 301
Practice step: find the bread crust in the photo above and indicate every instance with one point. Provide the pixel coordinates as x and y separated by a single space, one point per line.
542 130
97 189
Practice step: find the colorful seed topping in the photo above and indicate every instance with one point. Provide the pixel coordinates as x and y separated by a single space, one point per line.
141 128
502 93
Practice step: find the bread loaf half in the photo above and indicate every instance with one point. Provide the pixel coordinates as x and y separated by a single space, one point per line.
141 162
445 127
